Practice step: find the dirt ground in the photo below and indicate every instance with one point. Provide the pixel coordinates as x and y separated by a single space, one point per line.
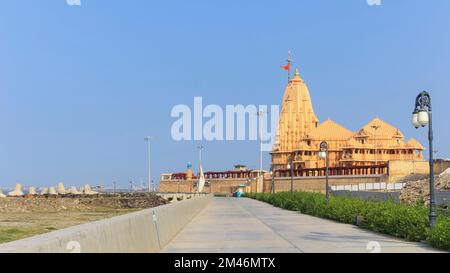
27 216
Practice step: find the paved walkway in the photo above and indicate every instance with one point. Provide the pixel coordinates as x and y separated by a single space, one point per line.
245 225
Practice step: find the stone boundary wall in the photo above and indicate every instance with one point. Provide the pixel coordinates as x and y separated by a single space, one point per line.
401 169
148 230
216 185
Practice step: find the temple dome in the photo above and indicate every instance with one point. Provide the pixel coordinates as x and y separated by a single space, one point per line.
413 143
385 130
330 130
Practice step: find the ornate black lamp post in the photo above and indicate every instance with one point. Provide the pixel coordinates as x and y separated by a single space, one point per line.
422 117
290 166
323 153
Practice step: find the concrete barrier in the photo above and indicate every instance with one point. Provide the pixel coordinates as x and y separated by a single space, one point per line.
370 195
148 230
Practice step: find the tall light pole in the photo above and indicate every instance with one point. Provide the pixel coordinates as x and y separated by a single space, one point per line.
290 166
260 114
323 153
422 116
150 184
375 127
272 176
200 148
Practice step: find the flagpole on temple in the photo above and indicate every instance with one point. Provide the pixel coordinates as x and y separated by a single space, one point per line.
288 66
289 60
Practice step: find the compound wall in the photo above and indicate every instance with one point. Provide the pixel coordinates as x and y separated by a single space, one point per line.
143 231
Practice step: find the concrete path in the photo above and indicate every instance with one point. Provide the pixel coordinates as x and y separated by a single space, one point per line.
245 225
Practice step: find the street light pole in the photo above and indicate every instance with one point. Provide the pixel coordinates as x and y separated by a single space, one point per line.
291 168
150 186
323 153
272 175
260 114
422 116
200 148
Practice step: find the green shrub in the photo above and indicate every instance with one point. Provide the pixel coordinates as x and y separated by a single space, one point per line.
440 235
400 220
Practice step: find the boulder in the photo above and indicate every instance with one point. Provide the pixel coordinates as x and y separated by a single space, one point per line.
52 191
72 190
32 190
87 190
44 191
61 188
17 191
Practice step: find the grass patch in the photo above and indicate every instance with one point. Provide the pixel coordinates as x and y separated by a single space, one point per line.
12 234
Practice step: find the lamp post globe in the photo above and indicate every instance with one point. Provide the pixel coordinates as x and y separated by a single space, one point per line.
322 154
422 118
415 120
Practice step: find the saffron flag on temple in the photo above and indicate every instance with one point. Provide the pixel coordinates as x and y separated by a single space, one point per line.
286 67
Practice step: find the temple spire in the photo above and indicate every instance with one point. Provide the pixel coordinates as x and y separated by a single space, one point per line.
297 77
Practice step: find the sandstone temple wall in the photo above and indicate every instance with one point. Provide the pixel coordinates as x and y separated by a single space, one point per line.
401 169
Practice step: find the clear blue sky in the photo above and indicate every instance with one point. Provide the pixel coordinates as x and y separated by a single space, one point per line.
81 86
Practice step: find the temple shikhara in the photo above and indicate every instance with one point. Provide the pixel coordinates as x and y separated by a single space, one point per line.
300 133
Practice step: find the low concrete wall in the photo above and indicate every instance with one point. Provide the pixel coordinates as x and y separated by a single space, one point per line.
143 231
370 195
317 183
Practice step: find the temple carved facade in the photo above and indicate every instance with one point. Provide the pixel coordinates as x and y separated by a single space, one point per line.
299 135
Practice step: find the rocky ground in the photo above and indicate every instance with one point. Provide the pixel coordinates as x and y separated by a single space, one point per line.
22 217
418 191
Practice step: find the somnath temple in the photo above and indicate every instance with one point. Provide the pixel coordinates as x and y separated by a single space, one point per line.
300 134
376 156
